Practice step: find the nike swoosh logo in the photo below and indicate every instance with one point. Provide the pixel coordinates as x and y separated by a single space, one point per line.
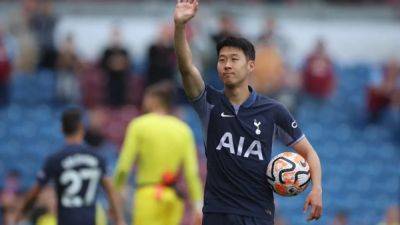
225 115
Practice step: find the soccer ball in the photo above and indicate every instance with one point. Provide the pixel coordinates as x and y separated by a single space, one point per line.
288 174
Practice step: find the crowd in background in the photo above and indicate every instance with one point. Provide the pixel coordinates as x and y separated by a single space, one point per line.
27 45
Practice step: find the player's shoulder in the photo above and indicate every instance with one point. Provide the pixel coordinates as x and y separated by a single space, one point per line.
265 101
146 120
59 153
140 120
91 151
213 93
83 149
179 123
53 158
270 106
213 90
150 119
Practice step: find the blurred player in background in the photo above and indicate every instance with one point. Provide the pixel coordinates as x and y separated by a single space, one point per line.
77 172
239 126
162 145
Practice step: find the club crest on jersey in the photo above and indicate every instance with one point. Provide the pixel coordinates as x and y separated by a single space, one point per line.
226 141
257 124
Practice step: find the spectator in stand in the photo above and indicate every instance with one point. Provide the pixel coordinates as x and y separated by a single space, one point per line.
226 28
271 33
384 89
12 184
5 70
161 58
116 65
268 76
68 69
95 137
392 216
318 73
43 23
9 41
273 75
10 195
340 218
19 27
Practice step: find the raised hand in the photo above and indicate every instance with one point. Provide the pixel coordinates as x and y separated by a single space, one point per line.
185 10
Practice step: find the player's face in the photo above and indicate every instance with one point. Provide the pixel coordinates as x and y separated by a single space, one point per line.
233 66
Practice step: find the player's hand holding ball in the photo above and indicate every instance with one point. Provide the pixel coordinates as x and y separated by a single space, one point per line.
289 174
184 11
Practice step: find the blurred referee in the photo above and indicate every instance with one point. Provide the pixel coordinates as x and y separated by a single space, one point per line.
162 146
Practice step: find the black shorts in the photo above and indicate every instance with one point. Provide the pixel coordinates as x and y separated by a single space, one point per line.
232 219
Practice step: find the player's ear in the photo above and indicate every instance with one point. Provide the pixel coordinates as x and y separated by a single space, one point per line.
250 65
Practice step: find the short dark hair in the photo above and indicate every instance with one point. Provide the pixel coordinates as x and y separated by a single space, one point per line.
164 91
238 42
71 121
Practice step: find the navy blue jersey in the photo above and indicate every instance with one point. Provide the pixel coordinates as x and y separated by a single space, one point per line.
238 143
76 171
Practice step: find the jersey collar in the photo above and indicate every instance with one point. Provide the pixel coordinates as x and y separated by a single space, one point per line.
251 99
67 145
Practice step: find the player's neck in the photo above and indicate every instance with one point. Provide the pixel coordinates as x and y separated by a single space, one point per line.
237 95
74 140
160 110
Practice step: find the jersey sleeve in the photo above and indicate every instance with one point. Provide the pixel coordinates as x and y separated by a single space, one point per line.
46 173
127 155
203 105
200 104
191 170
286 128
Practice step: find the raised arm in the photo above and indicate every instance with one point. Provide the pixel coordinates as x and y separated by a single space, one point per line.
193 83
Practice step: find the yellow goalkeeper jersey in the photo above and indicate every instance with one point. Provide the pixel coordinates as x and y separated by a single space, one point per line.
159 144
